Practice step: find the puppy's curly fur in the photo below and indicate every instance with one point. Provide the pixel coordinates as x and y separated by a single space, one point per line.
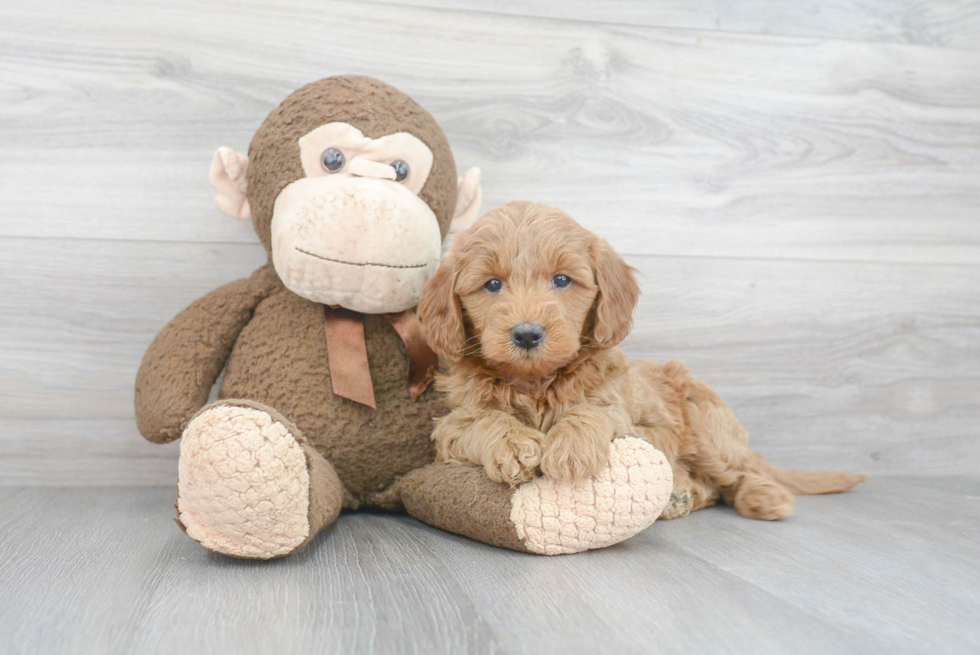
552 399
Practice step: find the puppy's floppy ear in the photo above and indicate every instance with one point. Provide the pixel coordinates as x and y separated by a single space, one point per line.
440 311
618 293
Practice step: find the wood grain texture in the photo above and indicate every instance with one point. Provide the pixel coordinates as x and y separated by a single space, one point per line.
670 141
888 567
836 558
803 210
870 367
950 23
798 183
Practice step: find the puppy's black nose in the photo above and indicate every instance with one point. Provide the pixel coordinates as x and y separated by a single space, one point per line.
527 335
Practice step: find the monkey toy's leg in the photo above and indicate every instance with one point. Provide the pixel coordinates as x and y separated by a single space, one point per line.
249 485
545 516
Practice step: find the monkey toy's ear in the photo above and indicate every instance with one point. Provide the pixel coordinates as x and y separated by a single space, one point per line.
229 183
468 197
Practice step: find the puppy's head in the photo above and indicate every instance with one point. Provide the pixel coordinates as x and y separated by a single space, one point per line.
525 289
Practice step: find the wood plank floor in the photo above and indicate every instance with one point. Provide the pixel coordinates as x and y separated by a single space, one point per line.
889 567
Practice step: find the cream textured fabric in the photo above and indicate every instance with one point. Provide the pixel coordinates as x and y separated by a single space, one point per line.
228 177
243 486
357 147
362 243
556 518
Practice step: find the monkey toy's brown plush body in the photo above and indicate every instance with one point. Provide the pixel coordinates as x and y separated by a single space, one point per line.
325 402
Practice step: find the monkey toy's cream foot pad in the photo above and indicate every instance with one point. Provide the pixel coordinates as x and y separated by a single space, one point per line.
554 518
244 487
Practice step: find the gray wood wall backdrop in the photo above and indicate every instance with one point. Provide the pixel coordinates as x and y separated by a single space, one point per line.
798 181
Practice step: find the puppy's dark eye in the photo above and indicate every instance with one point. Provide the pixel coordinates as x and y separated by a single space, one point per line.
493 286
561 281
332 160
401 170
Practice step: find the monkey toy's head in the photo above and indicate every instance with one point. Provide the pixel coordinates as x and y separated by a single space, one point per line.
352 188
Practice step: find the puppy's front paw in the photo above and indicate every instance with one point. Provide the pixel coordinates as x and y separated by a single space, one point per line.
572 454
515 457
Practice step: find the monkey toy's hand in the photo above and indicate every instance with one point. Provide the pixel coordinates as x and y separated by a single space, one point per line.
181 365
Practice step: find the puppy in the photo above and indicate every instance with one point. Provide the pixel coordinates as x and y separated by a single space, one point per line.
528 306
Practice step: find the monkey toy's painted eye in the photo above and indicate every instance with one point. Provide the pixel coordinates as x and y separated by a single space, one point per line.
332 160
561 281
493 286
401 170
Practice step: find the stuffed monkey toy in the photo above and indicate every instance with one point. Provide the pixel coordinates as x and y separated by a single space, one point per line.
326 402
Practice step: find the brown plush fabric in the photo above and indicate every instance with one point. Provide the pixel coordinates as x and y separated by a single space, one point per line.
280 360
326 492
462 499
271 342
375 108
181 365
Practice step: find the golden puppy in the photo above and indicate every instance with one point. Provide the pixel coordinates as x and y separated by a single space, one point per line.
529 306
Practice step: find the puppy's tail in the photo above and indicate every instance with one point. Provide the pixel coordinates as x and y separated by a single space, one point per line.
814 482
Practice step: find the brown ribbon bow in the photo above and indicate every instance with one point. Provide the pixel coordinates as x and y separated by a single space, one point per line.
347 354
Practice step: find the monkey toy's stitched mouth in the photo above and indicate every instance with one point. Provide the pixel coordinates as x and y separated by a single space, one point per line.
340 261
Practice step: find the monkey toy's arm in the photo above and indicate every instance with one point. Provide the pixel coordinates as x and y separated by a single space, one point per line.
181 365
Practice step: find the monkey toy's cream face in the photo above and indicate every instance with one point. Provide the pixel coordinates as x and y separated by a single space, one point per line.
354 232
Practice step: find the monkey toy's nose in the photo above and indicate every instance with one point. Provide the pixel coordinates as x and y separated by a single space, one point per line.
527 335
366 168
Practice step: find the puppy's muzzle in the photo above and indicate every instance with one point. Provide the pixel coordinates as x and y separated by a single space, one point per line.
527 336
